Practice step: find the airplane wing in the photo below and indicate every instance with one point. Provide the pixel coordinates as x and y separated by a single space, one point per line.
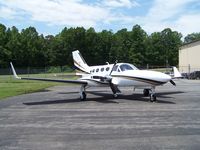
47 79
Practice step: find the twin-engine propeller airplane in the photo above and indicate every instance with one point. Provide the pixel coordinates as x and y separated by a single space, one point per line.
114 76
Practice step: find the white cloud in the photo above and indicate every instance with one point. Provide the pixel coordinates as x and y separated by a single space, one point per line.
188 24
67 12
162 14
165 9
60 12
120 3
6 13
171 14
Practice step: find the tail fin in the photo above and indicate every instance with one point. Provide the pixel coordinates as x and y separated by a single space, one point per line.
177 74
79 62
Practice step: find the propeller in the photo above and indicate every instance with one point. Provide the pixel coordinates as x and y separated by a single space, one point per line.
172 82
113 67
113 86
108 78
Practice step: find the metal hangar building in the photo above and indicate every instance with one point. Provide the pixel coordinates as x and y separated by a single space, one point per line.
189 57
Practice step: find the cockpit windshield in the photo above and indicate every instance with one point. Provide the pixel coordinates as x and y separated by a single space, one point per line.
125 67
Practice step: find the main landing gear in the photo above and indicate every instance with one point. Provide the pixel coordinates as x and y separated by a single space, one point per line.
150 93
82 93
146 92
115 95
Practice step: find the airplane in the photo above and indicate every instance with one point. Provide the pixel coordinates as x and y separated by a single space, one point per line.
114 76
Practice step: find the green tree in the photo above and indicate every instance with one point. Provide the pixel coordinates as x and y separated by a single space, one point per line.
91 47
163 48
28 48
121 44
192 38
103 46
154 49
171 41
138 46
5 54
14 45
29 38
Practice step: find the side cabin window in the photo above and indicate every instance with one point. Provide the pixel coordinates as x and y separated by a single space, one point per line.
102 69
97 70
91 71
107 69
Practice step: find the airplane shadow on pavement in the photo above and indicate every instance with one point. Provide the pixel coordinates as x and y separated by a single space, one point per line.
103 97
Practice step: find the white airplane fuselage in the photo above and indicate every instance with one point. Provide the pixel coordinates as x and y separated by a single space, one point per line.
135 78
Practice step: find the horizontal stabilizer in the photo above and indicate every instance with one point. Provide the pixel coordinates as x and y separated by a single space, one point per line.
14 72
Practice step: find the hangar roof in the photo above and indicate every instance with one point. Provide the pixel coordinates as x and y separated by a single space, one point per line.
191 44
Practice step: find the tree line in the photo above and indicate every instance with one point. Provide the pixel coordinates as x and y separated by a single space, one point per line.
29 48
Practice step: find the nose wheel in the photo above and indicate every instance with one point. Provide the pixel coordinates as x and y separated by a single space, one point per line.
153 95
152 98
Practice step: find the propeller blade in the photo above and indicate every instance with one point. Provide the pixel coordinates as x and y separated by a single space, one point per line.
172 82
113 67
108 78
114 88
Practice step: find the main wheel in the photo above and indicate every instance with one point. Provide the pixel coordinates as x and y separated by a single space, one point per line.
152 98
115 95
146 92
83 96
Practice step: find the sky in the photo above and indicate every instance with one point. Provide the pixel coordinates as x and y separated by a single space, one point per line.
51 16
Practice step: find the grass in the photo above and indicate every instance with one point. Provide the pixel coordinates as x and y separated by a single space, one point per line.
12 87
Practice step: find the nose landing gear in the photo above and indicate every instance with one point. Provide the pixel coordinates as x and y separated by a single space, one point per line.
152 98
150 93
153 95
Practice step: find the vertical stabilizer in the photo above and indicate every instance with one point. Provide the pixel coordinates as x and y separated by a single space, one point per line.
177 74
79 62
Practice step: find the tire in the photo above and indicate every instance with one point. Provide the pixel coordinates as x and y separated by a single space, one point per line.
146 92
152 98
83 97
115 95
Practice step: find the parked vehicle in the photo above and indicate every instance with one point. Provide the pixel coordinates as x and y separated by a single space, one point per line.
185 75
194 75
